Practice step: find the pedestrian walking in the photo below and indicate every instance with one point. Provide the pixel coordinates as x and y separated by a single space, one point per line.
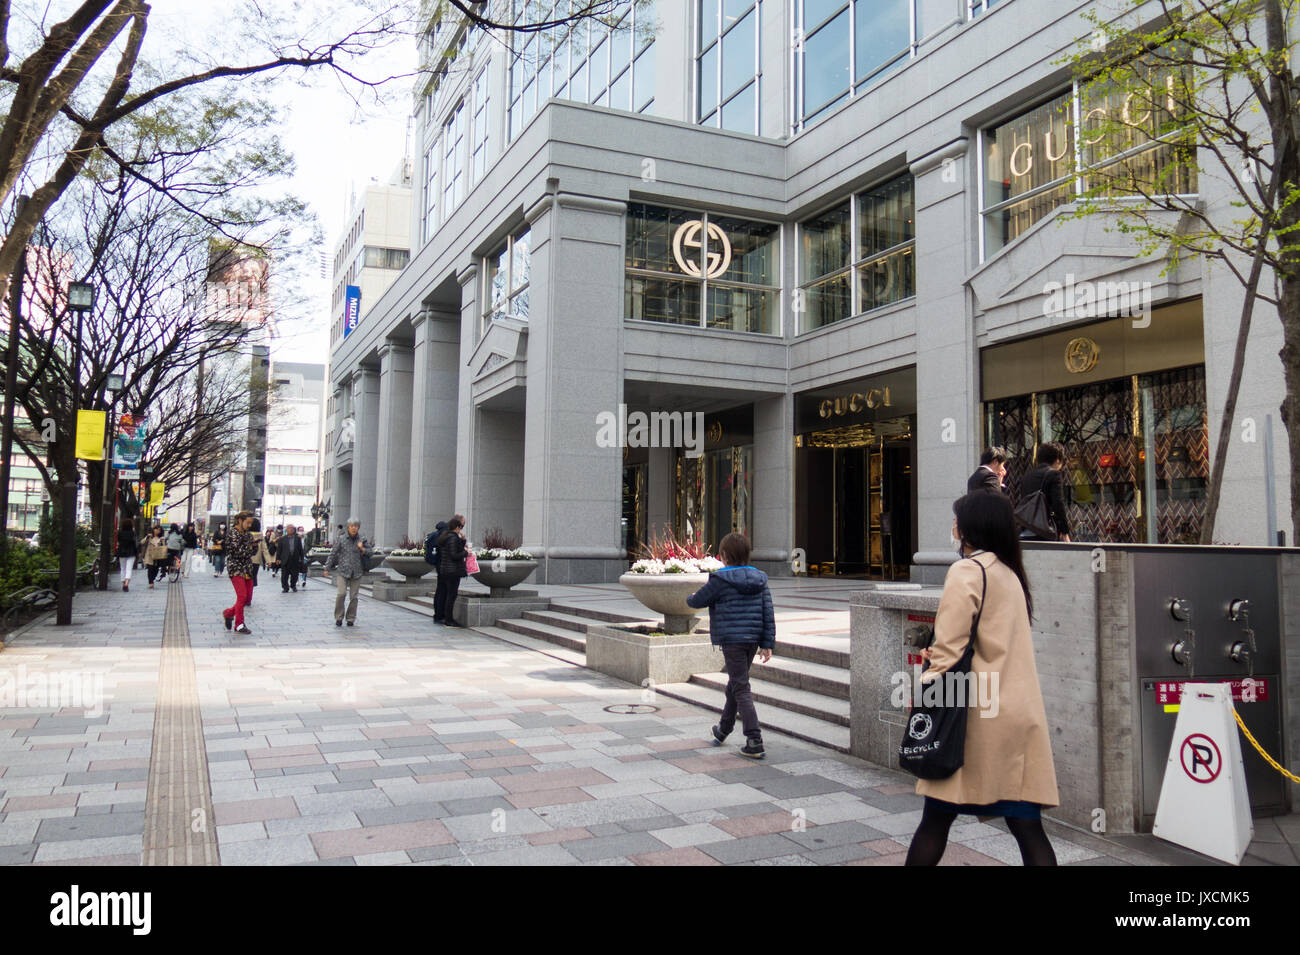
217 550
155 553
1041 509
261 555
347 558
189 548
1007 770
306 565
742 623
175 544
291 558
239 562
452 552
127 547
991 472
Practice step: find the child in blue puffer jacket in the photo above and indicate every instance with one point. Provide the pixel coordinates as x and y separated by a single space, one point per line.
741 623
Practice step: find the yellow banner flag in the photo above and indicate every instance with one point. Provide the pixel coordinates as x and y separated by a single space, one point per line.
90 435
156 490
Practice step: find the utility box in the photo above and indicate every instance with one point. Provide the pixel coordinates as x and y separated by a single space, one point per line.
1202 618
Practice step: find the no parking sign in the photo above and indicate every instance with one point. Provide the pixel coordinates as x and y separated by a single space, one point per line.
1203 801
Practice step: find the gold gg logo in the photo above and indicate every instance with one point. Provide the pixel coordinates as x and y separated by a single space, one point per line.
1081 355
687 236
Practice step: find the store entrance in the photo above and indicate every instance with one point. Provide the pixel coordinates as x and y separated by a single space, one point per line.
856 500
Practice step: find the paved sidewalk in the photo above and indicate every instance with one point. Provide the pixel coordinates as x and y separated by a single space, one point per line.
397 742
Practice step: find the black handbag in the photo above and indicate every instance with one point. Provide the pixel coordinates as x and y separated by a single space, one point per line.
934 739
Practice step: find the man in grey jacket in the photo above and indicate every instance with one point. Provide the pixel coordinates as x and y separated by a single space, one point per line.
347 557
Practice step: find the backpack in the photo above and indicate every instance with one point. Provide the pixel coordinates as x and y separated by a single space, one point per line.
1032 515
431 549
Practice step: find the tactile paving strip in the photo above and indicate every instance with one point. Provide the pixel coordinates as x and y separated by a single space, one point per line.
179 826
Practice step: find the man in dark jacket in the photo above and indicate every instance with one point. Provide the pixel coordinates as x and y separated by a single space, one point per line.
741 622
289 555
988 476
1047 477
451 552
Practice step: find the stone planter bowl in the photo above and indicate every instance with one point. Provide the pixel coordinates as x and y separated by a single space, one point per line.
499 582
410 567
666 594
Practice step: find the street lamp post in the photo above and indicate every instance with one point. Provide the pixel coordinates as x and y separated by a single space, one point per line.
81 299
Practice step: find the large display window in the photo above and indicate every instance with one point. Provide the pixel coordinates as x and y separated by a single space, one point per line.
702 270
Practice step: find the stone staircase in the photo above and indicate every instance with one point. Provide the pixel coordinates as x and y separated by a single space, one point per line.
803 691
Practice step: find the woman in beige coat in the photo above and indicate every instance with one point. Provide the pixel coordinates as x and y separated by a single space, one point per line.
1008 769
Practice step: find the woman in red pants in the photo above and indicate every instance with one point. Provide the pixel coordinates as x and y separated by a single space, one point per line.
239 553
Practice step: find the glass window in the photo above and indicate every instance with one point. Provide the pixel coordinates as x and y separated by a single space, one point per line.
686 268
506 276
582 64
845 46
481 131
429 222
738 55
708 74
1128 133
739 114
826 66
858 255
883 34
453 166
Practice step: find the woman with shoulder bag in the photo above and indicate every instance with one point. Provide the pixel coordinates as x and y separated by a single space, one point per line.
155 554
1007 769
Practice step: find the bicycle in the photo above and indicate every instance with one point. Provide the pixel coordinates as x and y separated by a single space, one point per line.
174 571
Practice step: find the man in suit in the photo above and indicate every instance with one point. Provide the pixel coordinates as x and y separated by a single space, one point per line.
988 476
289 555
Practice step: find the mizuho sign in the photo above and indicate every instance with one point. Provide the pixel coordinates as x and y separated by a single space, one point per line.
718 256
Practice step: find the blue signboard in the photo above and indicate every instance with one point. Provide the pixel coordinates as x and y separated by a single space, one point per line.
351 309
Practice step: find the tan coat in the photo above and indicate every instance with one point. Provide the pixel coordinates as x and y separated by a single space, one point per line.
1009 754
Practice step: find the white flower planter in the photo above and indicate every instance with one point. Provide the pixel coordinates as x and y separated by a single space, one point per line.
666 594
500 581
411 567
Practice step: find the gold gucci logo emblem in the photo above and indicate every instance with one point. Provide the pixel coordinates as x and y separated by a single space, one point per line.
1081 355
718 258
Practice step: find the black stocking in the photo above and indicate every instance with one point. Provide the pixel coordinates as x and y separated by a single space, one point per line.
931 836
1035 849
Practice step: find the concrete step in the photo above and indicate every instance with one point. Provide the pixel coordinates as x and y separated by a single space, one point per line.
602 616
576 657
828 651
562 619
815 705
831 681
560 636
773 717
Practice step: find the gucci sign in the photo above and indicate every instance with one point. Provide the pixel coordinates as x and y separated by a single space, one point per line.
718 257
855 403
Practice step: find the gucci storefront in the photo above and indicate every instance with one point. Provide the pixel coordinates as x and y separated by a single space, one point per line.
855 493
1127 401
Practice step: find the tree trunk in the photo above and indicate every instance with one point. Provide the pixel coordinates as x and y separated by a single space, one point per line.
1215 488
1289 312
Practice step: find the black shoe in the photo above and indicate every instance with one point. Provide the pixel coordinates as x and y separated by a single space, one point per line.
230 621
338 623
753 749
294 589
719 737
242 629
352 623
438 620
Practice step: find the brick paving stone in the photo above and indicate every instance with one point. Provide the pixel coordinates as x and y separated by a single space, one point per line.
254 810
20 803
607 847
548 797
835 834
553 779
761 824
697 834
687 855
751 849
552 836
279 850
403 835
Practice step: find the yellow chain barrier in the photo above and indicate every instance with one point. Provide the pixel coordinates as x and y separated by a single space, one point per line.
1260 749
